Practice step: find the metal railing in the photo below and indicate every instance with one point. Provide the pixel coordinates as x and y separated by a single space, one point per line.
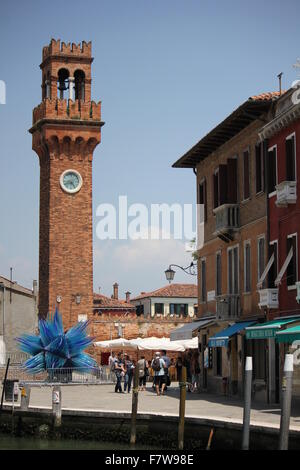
75 375
16 358
227 218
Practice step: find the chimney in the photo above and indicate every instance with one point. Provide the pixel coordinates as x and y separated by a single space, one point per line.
116 291
127 296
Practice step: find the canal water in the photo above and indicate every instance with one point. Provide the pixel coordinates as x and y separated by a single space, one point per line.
8 442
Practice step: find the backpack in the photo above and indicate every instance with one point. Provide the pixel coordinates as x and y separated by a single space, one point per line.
156 364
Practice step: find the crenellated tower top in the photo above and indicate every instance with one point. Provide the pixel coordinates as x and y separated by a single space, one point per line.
66 70
56 48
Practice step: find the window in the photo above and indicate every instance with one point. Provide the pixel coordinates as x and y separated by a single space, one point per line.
232 180
274 267
216 188
139 310
159 308
233 270
260 257
291 272
203 200
179 309
247 267
246 179
220 186
272 169
203 280
290 158
218 274
259 168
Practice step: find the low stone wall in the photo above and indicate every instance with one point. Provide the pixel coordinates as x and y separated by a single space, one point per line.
152 429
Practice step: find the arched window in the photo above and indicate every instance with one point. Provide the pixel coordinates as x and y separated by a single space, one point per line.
79 78
62 83
44 85
48 86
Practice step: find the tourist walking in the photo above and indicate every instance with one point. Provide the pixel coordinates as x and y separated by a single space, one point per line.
129 367
167 362
111 360
142 365
120 372
187 363
158 365
195 371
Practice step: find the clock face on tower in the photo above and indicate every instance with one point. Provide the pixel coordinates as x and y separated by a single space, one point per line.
71 181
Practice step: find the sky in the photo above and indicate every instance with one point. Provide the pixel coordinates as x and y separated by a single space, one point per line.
167 72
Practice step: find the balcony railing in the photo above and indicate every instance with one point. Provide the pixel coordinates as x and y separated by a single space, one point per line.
286 193
227 218
268 298
228 306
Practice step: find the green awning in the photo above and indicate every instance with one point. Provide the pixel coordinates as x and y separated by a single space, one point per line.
289 335
268 329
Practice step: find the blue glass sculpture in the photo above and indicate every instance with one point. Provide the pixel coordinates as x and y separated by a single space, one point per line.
55 349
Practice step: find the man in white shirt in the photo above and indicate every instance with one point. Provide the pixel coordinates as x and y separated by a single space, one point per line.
111 360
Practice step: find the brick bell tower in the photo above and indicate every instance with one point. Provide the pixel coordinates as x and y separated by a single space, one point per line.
66 129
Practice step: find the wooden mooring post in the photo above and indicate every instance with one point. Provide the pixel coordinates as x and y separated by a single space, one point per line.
135 394
182 385
56 405
25 397
4 383
247 403
287 385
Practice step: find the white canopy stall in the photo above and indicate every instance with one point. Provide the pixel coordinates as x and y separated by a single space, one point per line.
152 343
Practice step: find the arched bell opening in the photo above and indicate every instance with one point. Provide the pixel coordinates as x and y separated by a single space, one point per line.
62 83
79 78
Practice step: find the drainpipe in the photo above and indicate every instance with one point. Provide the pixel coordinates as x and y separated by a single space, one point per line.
2 347
271 342
2 286
35 296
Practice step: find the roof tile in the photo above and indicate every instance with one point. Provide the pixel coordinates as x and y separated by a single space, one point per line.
172 290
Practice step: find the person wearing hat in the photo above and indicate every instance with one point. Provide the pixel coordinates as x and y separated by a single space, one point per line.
158 365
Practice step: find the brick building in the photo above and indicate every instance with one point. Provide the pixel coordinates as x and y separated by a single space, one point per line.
229 164
279 287
154 313
66 129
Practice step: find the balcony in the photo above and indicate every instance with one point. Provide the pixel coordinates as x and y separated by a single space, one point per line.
268 298
227 219
286 193
228 307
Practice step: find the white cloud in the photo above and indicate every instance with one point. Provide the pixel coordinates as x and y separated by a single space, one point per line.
138 265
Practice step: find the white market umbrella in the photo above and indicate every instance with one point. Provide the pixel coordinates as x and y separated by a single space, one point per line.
188 343
119 343
157 344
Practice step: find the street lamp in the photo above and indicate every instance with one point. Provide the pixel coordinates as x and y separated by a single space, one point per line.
170 273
